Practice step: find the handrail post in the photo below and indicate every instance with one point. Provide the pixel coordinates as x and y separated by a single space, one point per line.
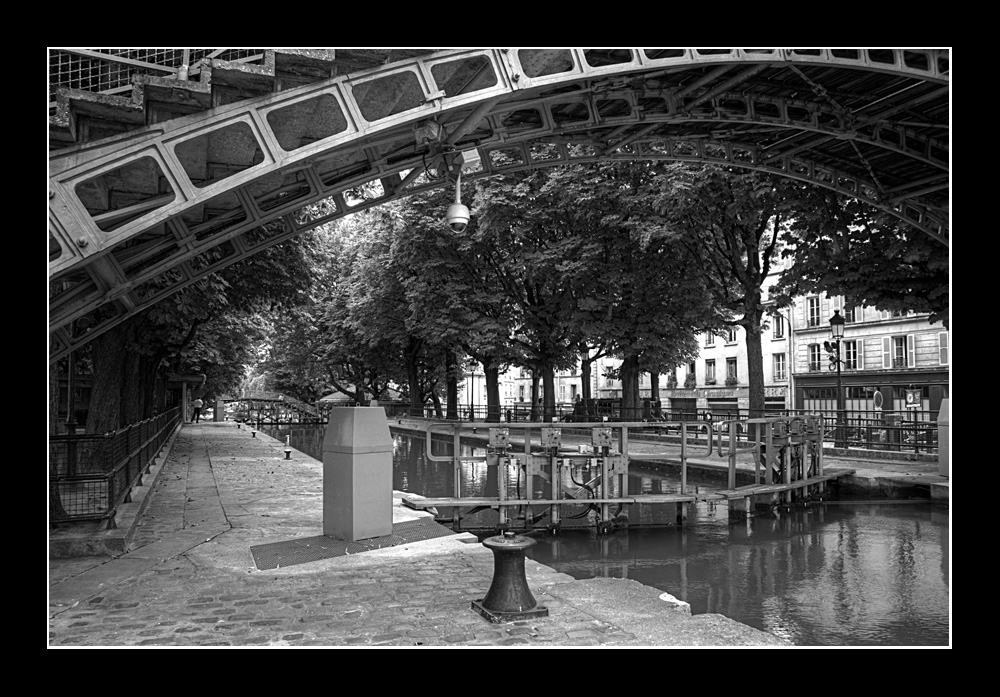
732 454
457 462
684 462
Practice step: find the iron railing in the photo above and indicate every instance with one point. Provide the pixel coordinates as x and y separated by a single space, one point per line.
909 431
91 475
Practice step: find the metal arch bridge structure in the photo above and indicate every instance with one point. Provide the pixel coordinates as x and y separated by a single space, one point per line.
195 162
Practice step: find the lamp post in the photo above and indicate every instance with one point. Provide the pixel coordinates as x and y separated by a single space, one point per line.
837 332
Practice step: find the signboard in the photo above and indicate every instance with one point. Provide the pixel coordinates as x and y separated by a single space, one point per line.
913 399
878 401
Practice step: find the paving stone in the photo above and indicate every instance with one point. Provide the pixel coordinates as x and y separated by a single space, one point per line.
205 590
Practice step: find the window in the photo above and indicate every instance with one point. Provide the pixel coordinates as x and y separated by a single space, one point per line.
780 369
890 314
731 335
562 393
730 368
898 351
815 357
520 393
609 381
709 339
710 372
851 315
779 327
572 392
943 348
812 312
851 353
691 368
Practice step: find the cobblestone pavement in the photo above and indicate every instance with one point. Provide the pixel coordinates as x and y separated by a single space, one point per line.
189 577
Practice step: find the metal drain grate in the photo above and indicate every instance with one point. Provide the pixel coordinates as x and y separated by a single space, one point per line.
307 549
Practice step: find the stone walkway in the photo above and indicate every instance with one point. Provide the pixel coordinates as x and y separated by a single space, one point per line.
189 578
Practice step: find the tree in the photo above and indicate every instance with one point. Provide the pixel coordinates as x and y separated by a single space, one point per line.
842 246
131 360
729 222
451 285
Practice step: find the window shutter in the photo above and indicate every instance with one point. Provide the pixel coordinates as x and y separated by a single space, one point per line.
943 348
861 354
910 351
886 352
837 303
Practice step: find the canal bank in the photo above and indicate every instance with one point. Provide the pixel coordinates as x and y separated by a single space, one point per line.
224 496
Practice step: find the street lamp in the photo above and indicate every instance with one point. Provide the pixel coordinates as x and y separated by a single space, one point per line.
837 331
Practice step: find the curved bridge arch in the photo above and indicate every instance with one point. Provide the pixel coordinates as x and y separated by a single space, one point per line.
133 219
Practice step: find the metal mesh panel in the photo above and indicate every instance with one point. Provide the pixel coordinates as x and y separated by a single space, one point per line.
80 455
83 498
94 74
91 475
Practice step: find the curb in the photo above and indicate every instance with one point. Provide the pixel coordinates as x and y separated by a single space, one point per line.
83 540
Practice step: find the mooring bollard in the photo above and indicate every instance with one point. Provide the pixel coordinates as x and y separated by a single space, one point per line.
288 447
509 598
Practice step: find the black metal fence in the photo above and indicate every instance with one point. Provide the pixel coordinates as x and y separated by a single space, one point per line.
91 475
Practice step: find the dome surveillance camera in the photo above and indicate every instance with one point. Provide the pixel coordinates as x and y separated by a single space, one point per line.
457 217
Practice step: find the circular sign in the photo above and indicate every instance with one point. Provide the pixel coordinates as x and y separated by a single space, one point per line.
878 400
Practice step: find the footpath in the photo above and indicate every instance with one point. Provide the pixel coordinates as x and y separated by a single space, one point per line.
190 573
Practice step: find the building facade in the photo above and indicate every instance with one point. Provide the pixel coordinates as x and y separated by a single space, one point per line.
887 356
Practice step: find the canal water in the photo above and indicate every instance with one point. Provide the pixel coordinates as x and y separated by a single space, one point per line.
849 573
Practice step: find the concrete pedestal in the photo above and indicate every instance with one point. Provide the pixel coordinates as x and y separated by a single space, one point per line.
357 474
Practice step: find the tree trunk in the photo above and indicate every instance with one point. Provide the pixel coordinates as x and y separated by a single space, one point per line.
492 392
109 357
755 367
413 377
133 384
451 370
654 393
586 375
149 370
549 392
535 411
55 503
437 405
630 389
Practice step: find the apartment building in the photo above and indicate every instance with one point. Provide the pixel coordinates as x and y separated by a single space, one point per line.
886 356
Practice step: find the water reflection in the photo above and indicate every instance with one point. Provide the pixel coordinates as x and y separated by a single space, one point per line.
831 575
834 574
